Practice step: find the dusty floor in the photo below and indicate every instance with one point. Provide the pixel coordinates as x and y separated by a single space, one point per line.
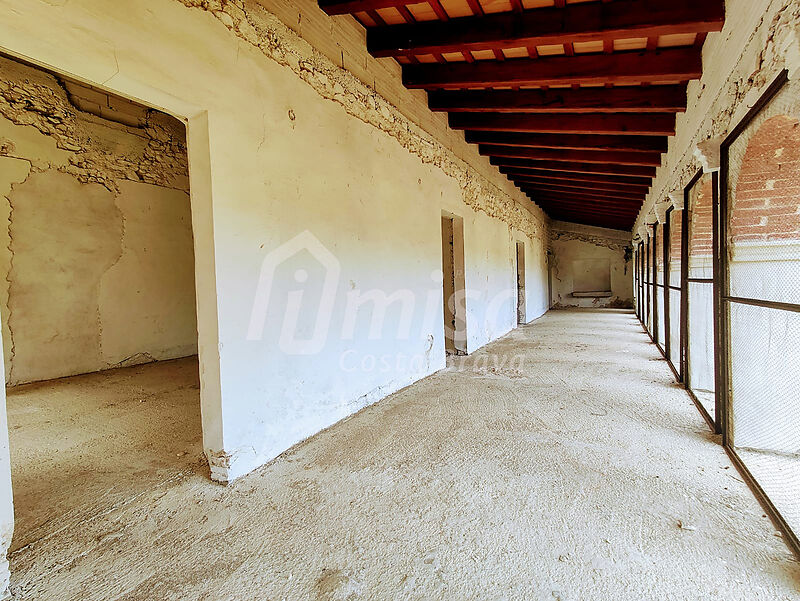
84 445
779 476
586 474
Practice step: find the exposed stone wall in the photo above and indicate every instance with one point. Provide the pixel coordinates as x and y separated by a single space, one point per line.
154 151
97 260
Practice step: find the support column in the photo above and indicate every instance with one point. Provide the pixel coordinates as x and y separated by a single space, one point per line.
676 199
660 210
707 154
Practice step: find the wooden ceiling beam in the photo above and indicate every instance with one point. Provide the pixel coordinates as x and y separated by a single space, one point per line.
583 156
579 178
555 206
550 206
623 201
638 192
598 203
645 144
674 64
642 124
563 166
622 19
612 223
655 99
345 7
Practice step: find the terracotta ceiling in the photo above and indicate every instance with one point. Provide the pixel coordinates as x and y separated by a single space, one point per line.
572 100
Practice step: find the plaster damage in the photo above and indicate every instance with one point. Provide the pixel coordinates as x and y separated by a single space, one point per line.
89 147
258 97
253 23
97 258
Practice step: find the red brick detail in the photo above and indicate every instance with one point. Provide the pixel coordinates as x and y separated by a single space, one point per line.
701 227
767 202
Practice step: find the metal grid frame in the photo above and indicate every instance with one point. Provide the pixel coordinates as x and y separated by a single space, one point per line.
722 424
651 282
668 288
723 301
685 372
713 422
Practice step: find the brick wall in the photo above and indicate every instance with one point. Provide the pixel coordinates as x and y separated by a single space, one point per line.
659 248
767 196
675 229
701 218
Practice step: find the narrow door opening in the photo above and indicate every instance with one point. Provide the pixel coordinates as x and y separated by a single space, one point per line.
455 331
521 283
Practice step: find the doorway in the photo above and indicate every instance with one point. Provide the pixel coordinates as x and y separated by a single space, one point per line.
98 303
454 289
521 320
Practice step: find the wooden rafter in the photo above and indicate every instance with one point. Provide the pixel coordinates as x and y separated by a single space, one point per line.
655 124
675 64
567 177
581 133
577 185
563 166
588 22
584 156
553 207
588 192
583 205
613 199
648 144
656 99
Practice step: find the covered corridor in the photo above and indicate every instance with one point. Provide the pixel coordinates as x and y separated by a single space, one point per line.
559 460
399 299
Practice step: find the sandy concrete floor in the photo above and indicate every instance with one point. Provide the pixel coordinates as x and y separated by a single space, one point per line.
584 473
82 446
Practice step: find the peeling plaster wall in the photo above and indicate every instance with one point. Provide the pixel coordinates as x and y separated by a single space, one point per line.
760 38
302 155
97 263
575 246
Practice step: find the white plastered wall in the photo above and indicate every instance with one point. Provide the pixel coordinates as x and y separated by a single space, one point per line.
284 142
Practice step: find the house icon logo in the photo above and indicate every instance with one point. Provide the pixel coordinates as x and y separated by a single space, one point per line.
288 341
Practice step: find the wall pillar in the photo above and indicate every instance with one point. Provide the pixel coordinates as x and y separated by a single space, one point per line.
660 210
676 198
707 154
